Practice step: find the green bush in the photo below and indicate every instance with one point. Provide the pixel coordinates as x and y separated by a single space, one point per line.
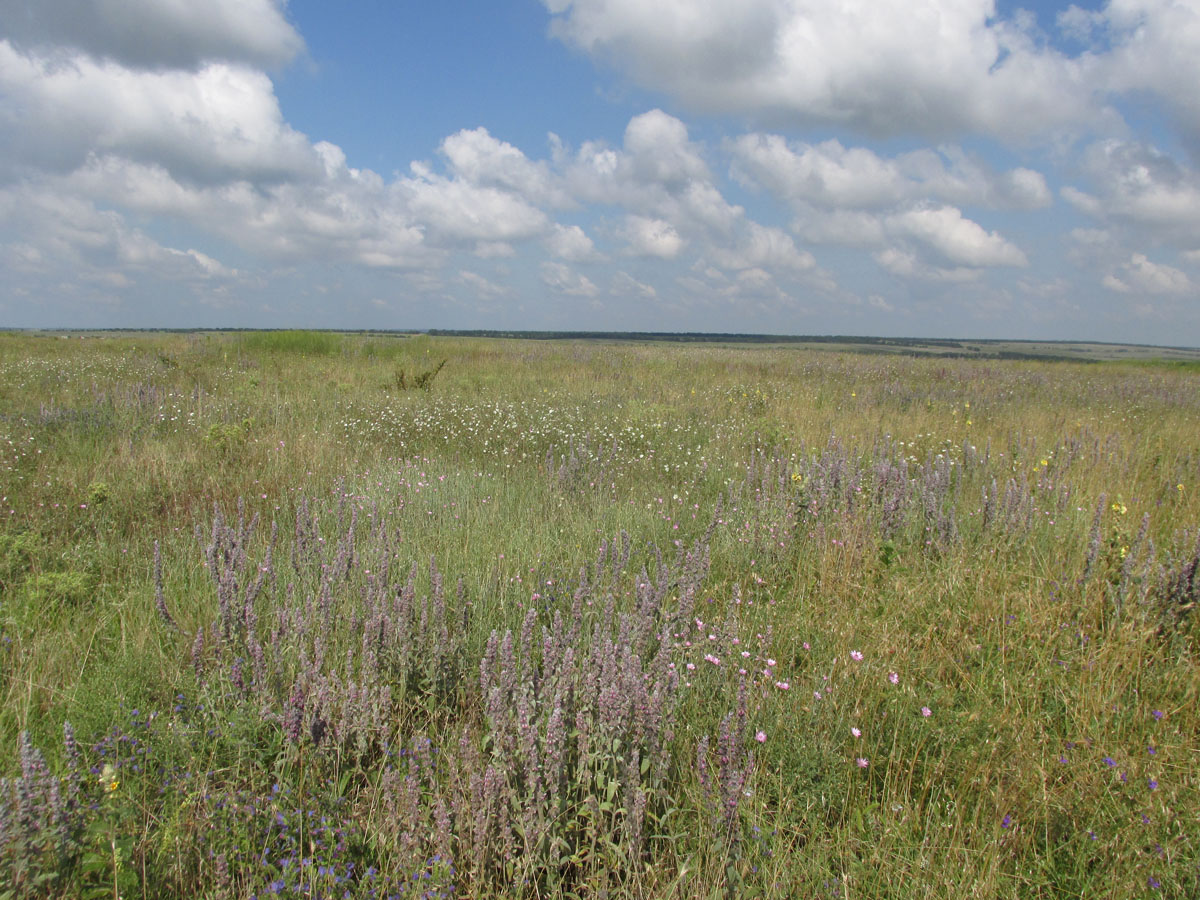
61 588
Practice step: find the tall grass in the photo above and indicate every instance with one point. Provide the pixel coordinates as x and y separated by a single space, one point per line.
633 620
296 342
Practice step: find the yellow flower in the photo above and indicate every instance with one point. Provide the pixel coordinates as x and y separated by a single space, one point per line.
1179 487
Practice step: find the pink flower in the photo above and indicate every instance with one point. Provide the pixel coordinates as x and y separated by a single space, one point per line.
782 685
805 645
761 737
926 711
855 655
893 677
861 763
856 732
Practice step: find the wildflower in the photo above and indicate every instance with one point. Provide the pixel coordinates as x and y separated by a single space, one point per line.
894 677
926 711
761 737
782 685
1158 714
1006 822
805 646
861 762
1110 762
856 655
856 732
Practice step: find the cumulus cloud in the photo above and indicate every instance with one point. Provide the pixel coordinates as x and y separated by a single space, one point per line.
957 239
1137 185
651 237
458 210
482 287
855 197
563 279
761 247
1140 275
570 242
831 175
65 240
624 284
157 33
906 264
933 67
480 159
220 121
1149 47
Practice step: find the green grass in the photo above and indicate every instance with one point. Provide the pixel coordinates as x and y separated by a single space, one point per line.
1059 756
297 343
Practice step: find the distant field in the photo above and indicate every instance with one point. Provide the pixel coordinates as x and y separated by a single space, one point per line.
399 615
966 349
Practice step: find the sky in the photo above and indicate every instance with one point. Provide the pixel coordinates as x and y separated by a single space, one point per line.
925 168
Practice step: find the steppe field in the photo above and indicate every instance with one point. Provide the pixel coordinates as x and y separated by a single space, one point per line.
296 614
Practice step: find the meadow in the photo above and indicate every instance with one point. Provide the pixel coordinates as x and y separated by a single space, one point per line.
318 615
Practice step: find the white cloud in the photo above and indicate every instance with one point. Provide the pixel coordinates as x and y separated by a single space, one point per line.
494 250
480 159
1140 275
957 239
624 284
482 287
157 33
351 217
458 210
659 151
763 247
571 243
830 175
1154 50
930 67
65 237
651 237
906 264
1138 186
219 121
564 280
851 228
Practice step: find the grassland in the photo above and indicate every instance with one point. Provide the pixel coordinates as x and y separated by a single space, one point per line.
566 618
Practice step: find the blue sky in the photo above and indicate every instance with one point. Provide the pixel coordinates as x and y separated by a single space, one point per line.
951 168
